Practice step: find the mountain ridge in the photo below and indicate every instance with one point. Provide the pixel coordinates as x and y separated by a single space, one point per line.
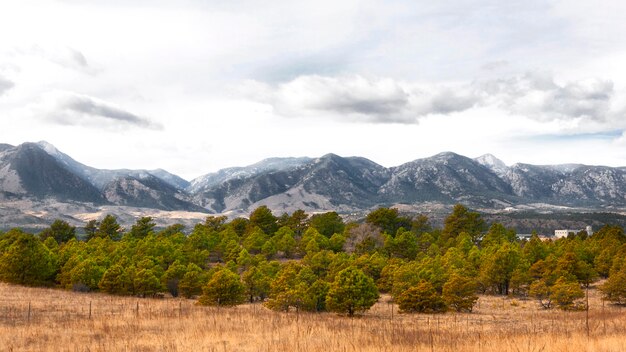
330 182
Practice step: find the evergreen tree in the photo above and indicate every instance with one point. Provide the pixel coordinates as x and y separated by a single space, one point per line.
223 289
421 298
351 292
459 293
60 230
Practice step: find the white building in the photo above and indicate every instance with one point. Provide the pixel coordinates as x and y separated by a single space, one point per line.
564 233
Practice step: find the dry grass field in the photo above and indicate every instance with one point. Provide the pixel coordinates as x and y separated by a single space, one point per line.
61 321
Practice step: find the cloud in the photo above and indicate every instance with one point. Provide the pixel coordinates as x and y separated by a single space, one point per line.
384 100
621 140
538 96
359 98
5 85
74 109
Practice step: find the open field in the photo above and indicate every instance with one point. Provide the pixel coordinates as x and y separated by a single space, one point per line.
60 321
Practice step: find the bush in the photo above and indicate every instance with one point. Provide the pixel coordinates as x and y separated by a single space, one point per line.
224 289
422 298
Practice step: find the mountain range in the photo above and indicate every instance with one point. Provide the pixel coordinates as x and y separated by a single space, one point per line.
39 172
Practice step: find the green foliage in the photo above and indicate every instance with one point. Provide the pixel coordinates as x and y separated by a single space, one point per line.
565 292
146 283
223 289
108 228
25 260
286 289
541 291
388 220
463 220
116 280
172 277
85 276
263 218
352 291
190 285
459 293
614 289
498 265
257 283
421 298
327 223
142 228
61 231
456 262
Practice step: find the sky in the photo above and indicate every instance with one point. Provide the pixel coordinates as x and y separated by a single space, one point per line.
194 86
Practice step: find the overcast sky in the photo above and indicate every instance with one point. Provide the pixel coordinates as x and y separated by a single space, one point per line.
195 86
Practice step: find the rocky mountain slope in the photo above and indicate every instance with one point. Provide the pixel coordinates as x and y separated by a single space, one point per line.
38 171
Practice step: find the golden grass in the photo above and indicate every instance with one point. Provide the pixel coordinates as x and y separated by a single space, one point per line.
59 321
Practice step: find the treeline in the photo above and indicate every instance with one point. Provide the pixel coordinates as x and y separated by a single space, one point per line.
319 262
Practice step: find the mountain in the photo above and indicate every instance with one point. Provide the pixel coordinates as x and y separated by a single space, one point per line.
207 181
148 191
492 163
446 178
101 177
38 172
328 182
28 170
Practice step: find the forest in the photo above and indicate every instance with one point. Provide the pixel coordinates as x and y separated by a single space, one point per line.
318 262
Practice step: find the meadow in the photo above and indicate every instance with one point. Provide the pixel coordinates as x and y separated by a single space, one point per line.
42 319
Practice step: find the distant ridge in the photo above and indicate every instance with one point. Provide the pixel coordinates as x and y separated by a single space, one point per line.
39 171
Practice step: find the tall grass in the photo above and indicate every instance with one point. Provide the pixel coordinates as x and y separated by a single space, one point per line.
60 321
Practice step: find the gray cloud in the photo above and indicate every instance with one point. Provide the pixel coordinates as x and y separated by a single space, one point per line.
534 95
360 98
74 109
5 85
538 96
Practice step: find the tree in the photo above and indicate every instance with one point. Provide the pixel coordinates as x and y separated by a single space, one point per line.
459 293
192 282
146 282
215 223
565 292
352 291
327 223
25 260
614 289
60 230
85 276
284 292
172 230
388 220
264 219
463 220
257 284
172 277
498 265
91 228
116 281
109 228
363 238
142 227
421 298
223 289
540 290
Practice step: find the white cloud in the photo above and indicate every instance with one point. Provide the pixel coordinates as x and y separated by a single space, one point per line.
364 75
72 109
360 99
385 100
5 85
